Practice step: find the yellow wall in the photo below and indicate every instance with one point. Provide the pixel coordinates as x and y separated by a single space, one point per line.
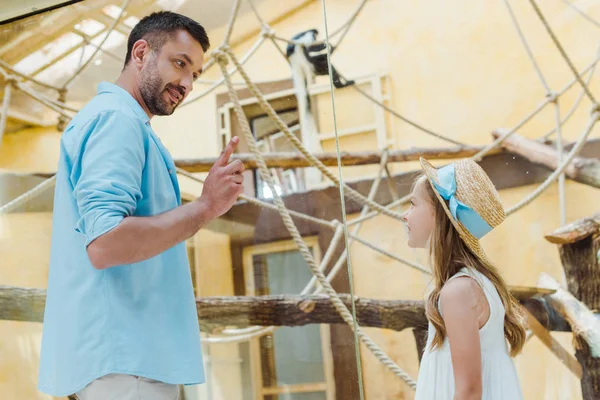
215 278
25 249
458 69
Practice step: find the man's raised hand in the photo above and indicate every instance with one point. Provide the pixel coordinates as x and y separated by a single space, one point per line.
224 183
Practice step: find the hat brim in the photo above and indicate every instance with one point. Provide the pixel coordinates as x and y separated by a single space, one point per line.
471 241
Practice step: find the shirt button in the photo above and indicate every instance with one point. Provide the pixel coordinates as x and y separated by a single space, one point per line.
170 171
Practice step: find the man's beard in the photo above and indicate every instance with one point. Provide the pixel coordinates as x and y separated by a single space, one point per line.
152 90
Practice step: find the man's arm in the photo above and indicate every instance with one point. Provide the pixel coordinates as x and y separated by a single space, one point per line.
139 238
107 186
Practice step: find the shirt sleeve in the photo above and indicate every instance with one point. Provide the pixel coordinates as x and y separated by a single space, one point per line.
107 173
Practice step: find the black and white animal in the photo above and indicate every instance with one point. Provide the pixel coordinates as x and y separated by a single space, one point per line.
309 58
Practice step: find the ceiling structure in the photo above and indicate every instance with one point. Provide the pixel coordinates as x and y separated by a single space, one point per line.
51 46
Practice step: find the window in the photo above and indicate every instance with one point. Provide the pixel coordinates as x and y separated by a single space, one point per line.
292 363
271 140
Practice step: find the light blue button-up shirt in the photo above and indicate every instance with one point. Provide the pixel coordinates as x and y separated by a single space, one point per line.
137 319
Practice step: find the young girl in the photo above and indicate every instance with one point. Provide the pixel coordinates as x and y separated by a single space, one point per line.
475 325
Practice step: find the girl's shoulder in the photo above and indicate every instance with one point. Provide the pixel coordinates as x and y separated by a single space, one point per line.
460 289
468 290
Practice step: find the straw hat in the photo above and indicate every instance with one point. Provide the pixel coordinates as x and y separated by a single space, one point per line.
469 199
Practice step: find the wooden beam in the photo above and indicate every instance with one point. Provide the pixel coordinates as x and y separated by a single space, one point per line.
583 322
582 170
504 169
553 345
22 304
27 304
296 160
576 231
523 293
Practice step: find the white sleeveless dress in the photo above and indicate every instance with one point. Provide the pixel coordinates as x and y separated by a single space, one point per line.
499 376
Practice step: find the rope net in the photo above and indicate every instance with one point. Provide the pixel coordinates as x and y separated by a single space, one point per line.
223 55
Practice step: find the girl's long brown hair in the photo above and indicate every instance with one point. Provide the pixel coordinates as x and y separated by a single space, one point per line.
449 254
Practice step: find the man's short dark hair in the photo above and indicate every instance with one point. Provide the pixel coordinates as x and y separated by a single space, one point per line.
159 26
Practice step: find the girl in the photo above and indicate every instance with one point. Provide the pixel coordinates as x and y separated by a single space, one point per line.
471 313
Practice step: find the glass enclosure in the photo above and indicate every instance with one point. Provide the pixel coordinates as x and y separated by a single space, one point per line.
314 283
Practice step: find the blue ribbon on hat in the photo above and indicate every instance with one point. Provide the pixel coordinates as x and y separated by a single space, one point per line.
446 187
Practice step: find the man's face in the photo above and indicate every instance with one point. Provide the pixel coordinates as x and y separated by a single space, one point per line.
168 75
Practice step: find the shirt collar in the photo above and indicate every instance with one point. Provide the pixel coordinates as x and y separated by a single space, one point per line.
107 87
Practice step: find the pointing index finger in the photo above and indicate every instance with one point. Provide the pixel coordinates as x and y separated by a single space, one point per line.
228 151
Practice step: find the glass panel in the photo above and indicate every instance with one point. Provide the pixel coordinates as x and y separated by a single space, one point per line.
298 352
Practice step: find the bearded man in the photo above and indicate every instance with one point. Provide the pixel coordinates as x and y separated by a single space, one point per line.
120 319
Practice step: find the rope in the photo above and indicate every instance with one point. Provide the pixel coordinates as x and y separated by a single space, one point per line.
549 99
221 57
347 24
583 14
343 204
387 253
37 95
526 45
373 214
574 151
218 83
296 142
332 224
288 222
57 103
232 18
342 29
47 103
477 157
27 196
7 66
562 51
259 203
397 115
561 177
575 104
256 331
365 209
5 104
97 49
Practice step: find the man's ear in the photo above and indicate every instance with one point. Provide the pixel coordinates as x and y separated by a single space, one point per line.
140 52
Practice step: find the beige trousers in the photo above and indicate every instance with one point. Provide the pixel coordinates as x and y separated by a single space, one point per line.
128 387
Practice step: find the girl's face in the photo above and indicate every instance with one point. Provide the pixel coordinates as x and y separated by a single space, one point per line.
420 217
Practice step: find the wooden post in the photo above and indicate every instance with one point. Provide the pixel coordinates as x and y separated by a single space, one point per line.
579 244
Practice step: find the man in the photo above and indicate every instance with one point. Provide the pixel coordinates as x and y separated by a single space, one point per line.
120 320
